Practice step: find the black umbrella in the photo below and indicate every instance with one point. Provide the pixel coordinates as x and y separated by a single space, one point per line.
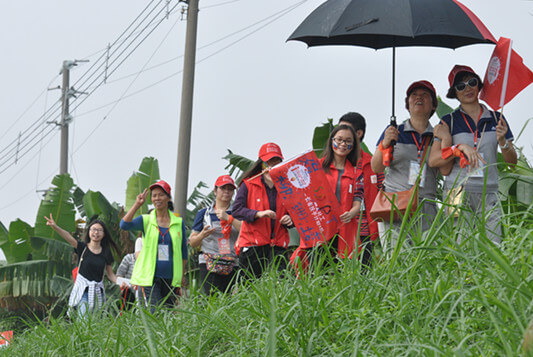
392 23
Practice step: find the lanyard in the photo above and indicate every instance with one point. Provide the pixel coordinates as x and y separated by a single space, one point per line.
419 147
472 131
163 235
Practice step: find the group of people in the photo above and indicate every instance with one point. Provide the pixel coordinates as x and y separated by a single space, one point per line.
253 234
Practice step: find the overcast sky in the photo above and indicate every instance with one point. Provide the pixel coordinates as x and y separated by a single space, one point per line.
250 88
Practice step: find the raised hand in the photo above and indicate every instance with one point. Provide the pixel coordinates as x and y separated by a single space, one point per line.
141 198
50 221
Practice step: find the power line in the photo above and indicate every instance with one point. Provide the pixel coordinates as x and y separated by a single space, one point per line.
28 136
274 17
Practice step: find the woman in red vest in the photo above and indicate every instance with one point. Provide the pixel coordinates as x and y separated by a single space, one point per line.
264 236
339 162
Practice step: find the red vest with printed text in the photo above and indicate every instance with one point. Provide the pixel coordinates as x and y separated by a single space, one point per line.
258 232
371 191
347 242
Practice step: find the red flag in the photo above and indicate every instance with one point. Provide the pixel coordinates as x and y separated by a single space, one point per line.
302 184
504 78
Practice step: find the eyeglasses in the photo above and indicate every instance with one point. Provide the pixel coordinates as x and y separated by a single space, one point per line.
348 143
96 230
472 82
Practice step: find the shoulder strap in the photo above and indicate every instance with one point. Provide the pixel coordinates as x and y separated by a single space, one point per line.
81 257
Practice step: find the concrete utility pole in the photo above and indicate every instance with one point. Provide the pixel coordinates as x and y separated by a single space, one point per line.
184 138
65 116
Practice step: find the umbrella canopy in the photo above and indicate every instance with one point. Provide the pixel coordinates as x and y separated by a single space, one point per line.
392 23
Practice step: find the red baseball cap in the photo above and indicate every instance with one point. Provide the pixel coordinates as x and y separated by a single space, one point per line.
421 84
225 180
163 185
458 68
270 150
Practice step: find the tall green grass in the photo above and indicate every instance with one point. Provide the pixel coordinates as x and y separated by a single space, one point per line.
435 298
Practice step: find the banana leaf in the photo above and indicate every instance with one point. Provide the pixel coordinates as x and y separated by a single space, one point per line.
50 249
321 135
237 164
77 198
18 248
58 202
443 108
147 174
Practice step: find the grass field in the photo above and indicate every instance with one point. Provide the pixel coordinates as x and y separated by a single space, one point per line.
435 298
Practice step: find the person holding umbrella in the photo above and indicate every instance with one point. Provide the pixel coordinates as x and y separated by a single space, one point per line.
264 235
407 162
465 150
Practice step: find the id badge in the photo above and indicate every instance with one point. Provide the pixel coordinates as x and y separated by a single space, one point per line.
223 246
162 253
479 171
414 169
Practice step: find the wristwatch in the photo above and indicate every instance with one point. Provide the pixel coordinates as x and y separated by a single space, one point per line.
505 146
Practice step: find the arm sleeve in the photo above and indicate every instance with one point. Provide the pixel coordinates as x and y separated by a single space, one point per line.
138 244
198 224
135 225
123 267
240 210
184 251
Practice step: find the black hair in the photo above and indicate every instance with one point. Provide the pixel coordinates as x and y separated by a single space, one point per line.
459 77
434 99
356 120
328 153
256 168
107 242
170 204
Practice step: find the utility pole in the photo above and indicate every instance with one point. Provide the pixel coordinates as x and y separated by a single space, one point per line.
65 116
184 137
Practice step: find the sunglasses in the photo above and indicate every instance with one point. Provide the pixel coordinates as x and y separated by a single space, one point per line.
472 82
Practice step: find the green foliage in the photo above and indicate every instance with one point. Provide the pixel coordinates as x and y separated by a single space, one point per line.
321 135
140 180
237 164
58 202
443 108
18 246
437 298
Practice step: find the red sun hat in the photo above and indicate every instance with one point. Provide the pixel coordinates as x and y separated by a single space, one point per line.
458 68
225 180
270 150
163 185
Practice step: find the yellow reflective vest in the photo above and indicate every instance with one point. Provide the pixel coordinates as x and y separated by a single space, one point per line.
144 269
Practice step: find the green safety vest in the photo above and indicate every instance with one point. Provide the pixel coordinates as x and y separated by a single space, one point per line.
144 269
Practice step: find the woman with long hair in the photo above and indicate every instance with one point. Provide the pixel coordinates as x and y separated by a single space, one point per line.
339 162
160 266
95 259
264 237
465 151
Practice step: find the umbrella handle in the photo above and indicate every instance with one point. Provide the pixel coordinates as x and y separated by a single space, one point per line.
393 142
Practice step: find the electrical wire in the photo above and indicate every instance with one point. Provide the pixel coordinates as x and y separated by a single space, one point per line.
28 137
